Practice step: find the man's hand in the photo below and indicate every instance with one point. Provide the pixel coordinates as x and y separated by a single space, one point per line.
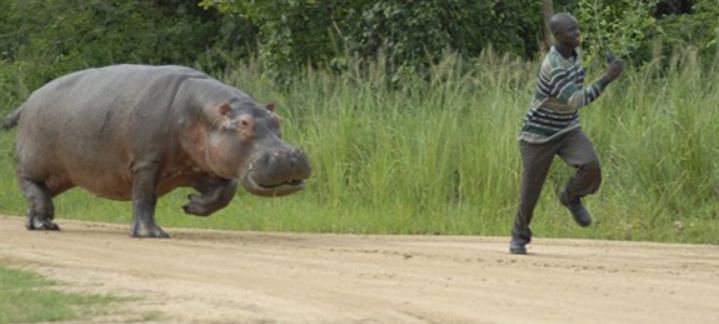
616 67
610 57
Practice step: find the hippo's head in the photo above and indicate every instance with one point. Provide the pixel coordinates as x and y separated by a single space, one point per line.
243 140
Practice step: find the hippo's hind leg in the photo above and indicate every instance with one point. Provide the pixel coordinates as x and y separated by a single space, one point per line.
215 194
40 210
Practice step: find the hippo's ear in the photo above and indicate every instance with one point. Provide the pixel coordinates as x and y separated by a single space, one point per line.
220 115
219 111
270 106
224 109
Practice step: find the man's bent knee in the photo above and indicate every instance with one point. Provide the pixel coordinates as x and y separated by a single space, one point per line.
593 174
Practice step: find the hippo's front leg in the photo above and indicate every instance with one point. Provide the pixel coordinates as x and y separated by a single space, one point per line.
216 193
144 199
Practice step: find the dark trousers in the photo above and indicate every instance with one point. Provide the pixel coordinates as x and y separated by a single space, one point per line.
576 150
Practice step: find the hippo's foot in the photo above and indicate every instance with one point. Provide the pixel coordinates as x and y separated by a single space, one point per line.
41 224
148 232
199 206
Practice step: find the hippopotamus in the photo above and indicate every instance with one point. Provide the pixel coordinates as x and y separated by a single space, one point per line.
136 132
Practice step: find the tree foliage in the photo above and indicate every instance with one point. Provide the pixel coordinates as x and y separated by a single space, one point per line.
634 29
47 38
621 27
42 39
409 34
698 28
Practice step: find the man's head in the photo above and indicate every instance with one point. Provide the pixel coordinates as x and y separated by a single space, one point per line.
565 29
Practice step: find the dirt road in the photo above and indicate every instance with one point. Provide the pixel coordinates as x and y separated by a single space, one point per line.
213 276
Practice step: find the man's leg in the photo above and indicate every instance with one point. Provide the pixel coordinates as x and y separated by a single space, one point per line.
536 159
577 150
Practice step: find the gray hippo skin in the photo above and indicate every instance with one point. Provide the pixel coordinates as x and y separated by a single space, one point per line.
135 132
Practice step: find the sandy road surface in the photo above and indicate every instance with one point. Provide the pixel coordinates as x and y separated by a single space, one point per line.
211 276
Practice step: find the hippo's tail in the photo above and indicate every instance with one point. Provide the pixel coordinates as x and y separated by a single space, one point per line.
12 119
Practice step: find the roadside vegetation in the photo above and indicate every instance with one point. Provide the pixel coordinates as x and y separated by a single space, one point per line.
440 157
409 134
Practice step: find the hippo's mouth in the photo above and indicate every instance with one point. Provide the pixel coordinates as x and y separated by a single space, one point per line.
271 190
276 173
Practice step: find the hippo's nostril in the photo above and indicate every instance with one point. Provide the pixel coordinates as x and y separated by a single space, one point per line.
298 154
265 158
292 158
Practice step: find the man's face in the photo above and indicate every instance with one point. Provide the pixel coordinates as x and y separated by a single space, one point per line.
568 33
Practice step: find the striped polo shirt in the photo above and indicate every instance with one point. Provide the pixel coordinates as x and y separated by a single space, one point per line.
559 95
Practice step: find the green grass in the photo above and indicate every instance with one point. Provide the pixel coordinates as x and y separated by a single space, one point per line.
26 297
442 157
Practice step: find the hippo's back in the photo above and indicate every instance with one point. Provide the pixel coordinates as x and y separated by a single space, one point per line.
111 87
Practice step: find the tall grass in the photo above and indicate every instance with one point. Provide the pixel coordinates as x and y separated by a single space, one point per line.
441 157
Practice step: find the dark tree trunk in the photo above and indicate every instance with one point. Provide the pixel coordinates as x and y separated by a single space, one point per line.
547 11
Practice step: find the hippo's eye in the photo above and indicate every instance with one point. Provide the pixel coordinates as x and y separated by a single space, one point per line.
275 122
245 122
276 127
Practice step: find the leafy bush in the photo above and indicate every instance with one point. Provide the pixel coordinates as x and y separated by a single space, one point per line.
42 39
700 29
622 26
636 29
410 34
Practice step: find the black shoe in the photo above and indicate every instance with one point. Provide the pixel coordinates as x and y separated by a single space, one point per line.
517 247
581 214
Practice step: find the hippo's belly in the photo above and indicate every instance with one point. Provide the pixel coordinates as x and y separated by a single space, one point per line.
110 186
119 186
